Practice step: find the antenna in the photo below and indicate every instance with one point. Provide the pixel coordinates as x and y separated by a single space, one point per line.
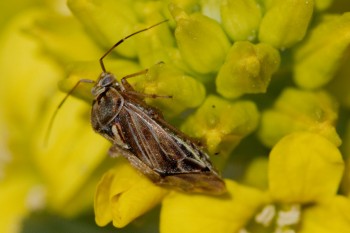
91 81
122 40
60 105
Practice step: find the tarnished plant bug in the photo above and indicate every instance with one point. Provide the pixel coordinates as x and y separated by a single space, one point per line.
139 132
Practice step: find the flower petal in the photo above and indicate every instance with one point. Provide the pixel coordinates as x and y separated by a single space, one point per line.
333 216
71 156
124 194
107 21
304 168
29 91
64 38
14 200
201 214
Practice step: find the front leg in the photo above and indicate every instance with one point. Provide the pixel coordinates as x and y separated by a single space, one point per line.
130 90
126 85
116 151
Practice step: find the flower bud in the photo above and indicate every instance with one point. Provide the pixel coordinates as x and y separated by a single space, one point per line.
322 5
248 69
201 40
222 124
319 58
162 79
297 110
241 18
285 22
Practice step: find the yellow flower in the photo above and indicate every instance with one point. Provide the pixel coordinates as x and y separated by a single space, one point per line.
34 176
224 62
318 159
199 213
123 195
304 173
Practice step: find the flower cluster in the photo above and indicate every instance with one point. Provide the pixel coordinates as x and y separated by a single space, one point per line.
264 84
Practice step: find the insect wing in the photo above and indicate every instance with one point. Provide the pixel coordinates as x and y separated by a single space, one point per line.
177 160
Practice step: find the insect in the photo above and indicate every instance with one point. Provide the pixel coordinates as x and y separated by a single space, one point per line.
139 132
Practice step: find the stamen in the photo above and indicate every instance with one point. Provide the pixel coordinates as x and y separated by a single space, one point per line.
36 198
266 215
290 217
5 158
243 230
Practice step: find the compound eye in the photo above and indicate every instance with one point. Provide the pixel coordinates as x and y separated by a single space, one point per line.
106 79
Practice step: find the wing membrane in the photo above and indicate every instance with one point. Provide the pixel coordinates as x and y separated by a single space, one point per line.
158 145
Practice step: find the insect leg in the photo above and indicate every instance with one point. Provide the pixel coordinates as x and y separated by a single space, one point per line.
126 84
116 150
130 90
